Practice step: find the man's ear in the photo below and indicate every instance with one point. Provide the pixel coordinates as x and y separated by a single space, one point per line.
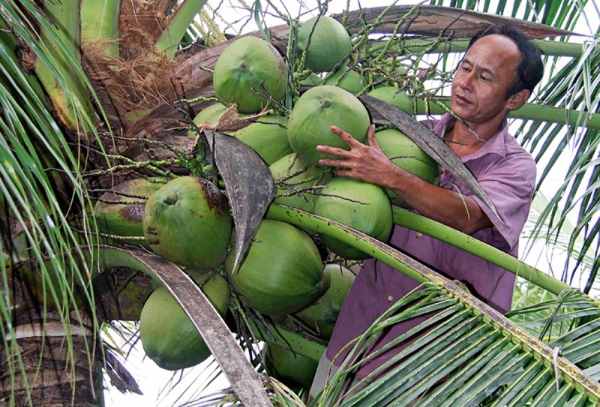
517 99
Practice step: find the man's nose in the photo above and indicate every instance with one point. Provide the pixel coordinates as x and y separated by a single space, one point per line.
465 80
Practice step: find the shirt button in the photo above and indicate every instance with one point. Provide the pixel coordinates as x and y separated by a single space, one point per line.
418 234
390 298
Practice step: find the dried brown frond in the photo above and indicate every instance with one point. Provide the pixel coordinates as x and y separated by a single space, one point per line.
140 25
229 121
129 85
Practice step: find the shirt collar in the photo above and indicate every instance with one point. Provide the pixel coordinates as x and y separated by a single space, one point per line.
495 145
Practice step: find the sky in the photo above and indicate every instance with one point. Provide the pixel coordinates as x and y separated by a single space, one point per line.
156 383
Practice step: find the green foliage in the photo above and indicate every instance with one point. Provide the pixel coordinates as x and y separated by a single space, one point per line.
40 183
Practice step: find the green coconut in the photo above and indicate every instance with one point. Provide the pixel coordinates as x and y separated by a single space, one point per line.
407 155
120 212
311 80
246 64
329 43
287 183
350 80
268 137
168 335
188 222
395 97
210 115
316 111
281 272
359 205
292 369
322 315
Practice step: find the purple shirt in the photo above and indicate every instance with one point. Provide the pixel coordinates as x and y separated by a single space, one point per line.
507 173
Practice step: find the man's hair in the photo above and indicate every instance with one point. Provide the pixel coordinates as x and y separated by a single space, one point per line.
530 69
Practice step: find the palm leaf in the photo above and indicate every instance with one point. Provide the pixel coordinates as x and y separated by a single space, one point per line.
42 190
571 84
475 332
478 357
574 86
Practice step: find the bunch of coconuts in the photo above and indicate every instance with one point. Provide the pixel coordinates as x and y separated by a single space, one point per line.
187 220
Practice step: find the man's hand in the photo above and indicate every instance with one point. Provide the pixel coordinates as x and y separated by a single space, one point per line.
368 163
363 162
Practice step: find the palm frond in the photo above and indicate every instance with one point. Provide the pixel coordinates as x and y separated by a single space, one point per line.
478 356
578 193
42 188
469 341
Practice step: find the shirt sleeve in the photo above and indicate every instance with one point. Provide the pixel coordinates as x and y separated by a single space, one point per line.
509 185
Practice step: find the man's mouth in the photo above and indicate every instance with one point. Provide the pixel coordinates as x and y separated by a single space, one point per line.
461 99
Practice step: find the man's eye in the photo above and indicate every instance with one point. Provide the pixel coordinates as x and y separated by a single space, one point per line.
484 78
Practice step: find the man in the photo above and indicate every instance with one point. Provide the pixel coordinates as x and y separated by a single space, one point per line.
497 74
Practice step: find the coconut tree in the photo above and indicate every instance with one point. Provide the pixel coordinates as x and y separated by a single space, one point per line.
97 97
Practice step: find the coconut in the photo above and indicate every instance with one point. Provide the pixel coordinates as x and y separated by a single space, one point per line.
359 205
407 155
322 315
395 97
209 115
125 218
328 43
350 80
288 367
168 335
316 111
281 272
268 137
245 67
311 80
287 183
188 222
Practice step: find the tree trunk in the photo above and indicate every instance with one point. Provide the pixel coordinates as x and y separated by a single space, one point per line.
52 367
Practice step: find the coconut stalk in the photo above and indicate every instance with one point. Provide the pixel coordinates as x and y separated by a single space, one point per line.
58 65
421 224
529 111
100 24
435 45
446 234
177 25
310 348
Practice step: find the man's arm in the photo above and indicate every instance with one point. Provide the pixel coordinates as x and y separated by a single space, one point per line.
368 163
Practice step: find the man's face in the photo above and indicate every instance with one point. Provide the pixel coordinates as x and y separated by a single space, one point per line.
483 78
